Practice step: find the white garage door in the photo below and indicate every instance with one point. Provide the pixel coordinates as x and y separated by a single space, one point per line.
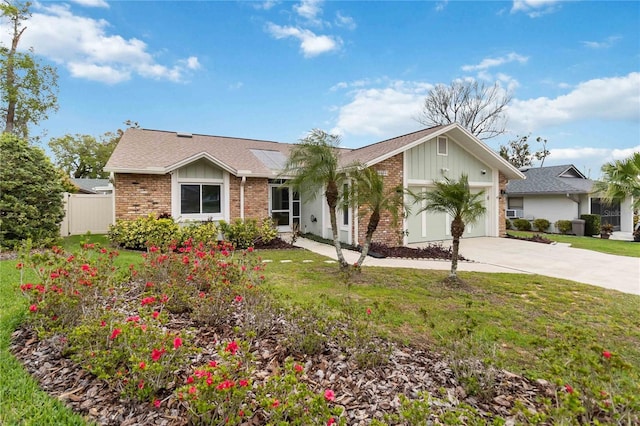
424 226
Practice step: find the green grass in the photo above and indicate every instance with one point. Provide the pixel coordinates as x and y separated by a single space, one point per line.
21 400
518 316
527 324
617 247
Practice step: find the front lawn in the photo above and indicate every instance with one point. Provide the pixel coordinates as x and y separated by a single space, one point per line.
543 328
617 247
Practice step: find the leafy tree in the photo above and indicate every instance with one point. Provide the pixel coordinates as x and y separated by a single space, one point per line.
83 156
621 179
476 106
518 152
314 165
368 193
455 198
30 194
28 89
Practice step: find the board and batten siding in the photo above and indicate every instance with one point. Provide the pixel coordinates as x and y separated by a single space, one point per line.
424 164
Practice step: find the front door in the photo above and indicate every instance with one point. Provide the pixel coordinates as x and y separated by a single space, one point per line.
284 207
609 213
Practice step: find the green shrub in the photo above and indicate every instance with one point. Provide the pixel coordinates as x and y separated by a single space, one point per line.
30 194
507 223
144 232
592 224
564 226
541 224
204 232
245 233
522 224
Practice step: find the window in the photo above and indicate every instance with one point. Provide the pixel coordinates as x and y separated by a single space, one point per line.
345 207
200 199
516 203
443 145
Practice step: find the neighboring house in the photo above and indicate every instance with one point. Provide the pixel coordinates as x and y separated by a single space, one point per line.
198 177
562 193
92 186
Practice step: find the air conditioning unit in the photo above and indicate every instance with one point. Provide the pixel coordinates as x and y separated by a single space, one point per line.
514 213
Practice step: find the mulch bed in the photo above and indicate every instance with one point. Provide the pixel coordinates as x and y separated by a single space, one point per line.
536 238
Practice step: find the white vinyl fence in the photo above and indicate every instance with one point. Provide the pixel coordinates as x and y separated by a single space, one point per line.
87 213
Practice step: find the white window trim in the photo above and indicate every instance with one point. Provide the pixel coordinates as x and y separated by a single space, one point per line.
224 198
446 146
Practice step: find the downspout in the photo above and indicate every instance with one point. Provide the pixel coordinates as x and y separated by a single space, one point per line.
242 182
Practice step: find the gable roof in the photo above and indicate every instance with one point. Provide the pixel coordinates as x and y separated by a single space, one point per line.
564 179
377 152
158 152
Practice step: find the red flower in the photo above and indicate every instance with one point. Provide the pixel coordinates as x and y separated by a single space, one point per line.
155 314
331 421
243 383
177 342
54 275
329 395
134 318
185 260
33 308
19 266
227 384
103 324
298 368
156 403
156 354
368 311
141 384
190 379
213 364
241 413
115 333
85 267
192 389
606 354
250 249
238 298
568 388
153 249
275 404
147 301
232 347
142 365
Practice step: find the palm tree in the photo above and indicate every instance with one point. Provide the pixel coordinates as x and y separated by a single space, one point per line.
314 165
621 179
455 198
369 195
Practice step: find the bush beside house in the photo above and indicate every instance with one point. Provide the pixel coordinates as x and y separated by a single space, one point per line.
591 224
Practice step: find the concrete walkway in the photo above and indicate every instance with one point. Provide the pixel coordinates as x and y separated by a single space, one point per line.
514 256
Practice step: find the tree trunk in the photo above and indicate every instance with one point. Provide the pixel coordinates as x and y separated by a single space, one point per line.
457 229
371 228
11 77
332 201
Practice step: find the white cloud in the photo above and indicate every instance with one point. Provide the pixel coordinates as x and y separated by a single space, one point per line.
382 112
577 153
605 44
91 3
310 43
345 21
309 9
440 6
621 154
494 62
85 48
265 5
613 98
535 8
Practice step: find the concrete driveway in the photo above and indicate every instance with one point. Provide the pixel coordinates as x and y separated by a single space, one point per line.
515 256
556 260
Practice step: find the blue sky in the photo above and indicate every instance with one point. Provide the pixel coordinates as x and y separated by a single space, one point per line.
274 70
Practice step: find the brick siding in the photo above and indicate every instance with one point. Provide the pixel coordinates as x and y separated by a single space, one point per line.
138 195
256 198
386 233
502 205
